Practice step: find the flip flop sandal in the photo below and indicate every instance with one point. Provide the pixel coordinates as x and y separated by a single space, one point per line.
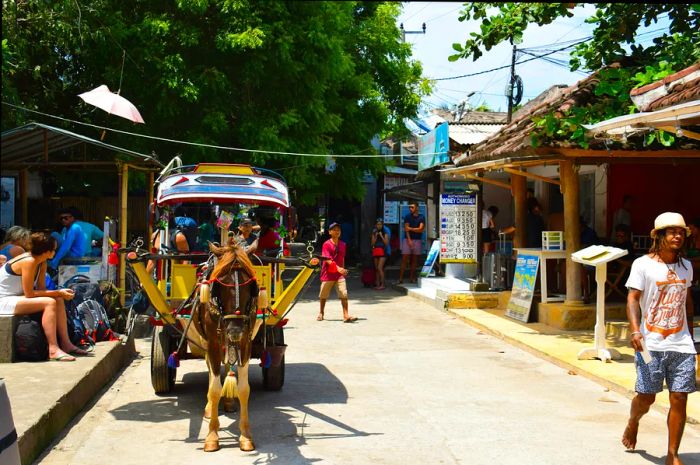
63 358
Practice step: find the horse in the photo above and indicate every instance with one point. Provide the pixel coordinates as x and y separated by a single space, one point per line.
226 320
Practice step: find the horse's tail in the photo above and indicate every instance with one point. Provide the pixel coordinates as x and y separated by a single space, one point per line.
230 389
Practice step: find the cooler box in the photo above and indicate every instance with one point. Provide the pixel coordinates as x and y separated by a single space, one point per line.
90 270
552 240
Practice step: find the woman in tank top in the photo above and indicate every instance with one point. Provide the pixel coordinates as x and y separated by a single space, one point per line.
23 292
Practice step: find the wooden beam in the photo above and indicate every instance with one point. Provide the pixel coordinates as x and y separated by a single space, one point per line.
572 229
532 175
519 191
502 184
585 153
24 197
123 193
686 133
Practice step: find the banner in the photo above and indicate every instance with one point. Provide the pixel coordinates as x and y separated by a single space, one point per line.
523 287
433 147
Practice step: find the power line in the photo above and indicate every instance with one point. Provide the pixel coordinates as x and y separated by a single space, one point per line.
507 66
196 144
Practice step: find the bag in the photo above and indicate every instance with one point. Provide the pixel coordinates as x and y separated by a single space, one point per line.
30 340
78 332
378 252
368 277
95 321
140 302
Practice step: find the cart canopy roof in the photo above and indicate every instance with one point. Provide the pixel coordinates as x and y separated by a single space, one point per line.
222 183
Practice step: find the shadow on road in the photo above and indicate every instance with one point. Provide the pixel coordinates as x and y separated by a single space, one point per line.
277 430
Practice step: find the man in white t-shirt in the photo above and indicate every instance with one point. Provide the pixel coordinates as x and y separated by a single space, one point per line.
659 285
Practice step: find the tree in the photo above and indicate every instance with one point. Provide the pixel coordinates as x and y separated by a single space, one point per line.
302 77
616 25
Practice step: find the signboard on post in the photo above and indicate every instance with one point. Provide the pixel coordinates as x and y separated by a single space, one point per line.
523 287
427 269
458 228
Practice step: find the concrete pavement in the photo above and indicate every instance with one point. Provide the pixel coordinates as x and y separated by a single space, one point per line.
562 348
45 396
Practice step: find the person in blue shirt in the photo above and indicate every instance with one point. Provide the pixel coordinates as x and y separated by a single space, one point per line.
74 243
93 234
412 245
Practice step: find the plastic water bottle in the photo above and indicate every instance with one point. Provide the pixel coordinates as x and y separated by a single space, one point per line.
262 298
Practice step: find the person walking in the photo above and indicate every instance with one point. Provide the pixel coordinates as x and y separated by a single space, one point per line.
379 241
659 285
333 273
413 226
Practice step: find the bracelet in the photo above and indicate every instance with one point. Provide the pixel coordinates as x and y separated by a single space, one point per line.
635 332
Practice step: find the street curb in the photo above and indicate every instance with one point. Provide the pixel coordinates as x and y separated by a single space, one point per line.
563 364
39 435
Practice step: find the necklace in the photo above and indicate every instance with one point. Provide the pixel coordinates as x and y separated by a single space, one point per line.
672 275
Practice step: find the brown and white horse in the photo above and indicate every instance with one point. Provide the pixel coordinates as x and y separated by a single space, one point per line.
226 321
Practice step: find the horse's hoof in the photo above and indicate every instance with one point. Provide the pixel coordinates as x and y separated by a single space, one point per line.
247 445
211 446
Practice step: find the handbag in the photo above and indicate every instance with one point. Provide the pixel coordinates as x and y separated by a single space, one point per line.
378 252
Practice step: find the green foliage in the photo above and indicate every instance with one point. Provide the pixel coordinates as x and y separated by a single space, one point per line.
616 24
311 77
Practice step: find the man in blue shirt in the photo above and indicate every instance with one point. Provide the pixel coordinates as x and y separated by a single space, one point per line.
74 243
93 234
412 244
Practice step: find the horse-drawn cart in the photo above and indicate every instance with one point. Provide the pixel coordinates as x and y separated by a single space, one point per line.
221 303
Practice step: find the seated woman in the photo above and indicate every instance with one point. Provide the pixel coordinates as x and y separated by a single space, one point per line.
16 242
23 292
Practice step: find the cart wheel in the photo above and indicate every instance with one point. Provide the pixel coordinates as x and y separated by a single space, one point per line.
162 377
273 377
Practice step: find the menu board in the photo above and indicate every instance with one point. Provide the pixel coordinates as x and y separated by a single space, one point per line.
458 228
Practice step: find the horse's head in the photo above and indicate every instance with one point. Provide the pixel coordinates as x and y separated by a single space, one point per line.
234 287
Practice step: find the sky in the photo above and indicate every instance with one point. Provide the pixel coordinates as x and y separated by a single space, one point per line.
443 29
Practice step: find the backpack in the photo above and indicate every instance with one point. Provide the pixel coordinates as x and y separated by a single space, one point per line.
95 321
30 340
79 332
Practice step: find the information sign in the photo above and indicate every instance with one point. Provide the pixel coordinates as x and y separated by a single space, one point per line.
391 212
427 269
523 287
458 228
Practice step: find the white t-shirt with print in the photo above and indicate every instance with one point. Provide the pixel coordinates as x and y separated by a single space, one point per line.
664 289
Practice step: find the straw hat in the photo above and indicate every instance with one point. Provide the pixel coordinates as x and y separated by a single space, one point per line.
669 220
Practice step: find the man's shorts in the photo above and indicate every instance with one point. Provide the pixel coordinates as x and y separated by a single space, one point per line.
414 249
676 368
340 288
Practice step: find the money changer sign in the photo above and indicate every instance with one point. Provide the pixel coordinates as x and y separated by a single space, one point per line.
458 233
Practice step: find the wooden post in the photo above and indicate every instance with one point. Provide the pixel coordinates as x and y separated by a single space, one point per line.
519 189
572 228
123 192
149 226
24 198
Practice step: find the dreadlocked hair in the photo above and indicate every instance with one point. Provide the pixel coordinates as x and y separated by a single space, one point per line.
659 242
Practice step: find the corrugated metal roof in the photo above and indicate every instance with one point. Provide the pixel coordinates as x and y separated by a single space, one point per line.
468 134
27 144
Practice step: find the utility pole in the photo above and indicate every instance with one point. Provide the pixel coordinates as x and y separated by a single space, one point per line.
510 86
404 32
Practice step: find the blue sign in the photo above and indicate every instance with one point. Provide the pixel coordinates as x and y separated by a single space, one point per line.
433 147
427 269
523 287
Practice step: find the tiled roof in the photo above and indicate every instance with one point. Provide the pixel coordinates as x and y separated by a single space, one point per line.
675 88
514 138
473 117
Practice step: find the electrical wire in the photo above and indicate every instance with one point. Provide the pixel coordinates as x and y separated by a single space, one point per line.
196 144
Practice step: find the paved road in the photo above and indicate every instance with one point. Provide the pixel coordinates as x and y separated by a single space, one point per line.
406 384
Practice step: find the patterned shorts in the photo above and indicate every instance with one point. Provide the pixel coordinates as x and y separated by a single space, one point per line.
676 368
